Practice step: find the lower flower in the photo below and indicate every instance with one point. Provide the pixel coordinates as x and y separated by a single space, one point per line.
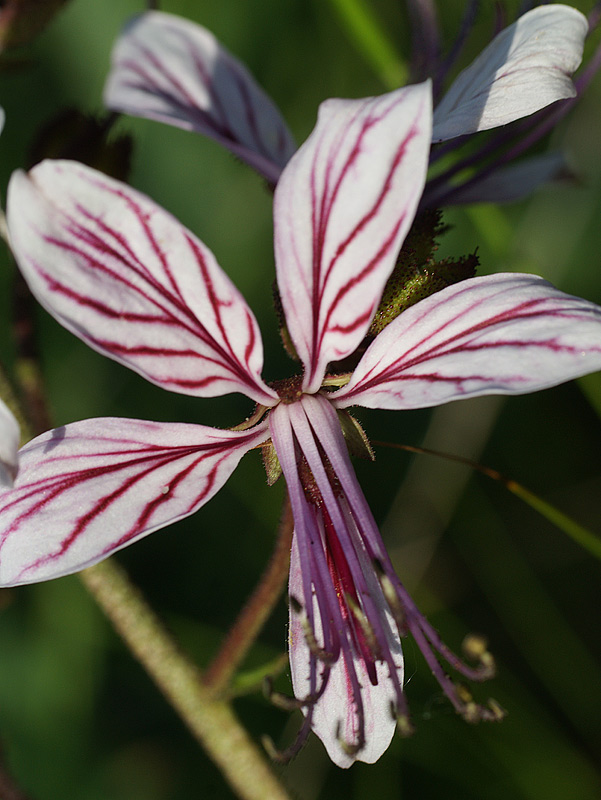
348 610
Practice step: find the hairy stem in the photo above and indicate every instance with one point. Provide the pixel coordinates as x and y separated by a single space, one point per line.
211 721
259 606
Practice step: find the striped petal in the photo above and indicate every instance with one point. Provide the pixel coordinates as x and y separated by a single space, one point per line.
128 279
93 487
168 69
502 334
342 208
9 444
334 716
525 68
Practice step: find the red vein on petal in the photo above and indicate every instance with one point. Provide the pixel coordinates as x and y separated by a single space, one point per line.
525 310
154 456
229 359
178 88
322 277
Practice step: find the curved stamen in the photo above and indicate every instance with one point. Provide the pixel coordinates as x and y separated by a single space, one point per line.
319 652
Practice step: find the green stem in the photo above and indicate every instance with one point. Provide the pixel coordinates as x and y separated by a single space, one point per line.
578 533
372 41
211 721
259 606
581 535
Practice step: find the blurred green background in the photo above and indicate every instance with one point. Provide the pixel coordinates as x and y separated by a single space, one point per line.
78 717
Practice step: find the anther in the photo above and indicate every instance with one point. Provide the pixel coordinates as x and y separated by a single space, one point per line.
367 629
472 712
403 722
283 701
498 712
391 598
475 647
350 748
463 694
316 650
404 726
279 756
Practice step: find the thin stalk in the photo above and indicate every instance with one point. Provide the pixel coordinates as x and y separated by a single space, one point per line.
581 535
217 677
211 721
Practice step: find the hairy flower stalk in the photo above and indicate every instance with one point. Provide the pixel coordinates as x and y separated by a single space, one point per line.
132 282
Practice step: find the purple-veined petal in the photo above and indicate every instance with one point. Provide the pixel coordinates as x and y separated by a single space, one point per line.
342 208
91 488
127 278
501 334
333 716
172 70
525 68
506 184
9 444
351 692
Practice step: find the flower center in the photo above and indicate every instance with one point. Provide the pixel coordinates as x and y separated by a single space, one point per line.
289 390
